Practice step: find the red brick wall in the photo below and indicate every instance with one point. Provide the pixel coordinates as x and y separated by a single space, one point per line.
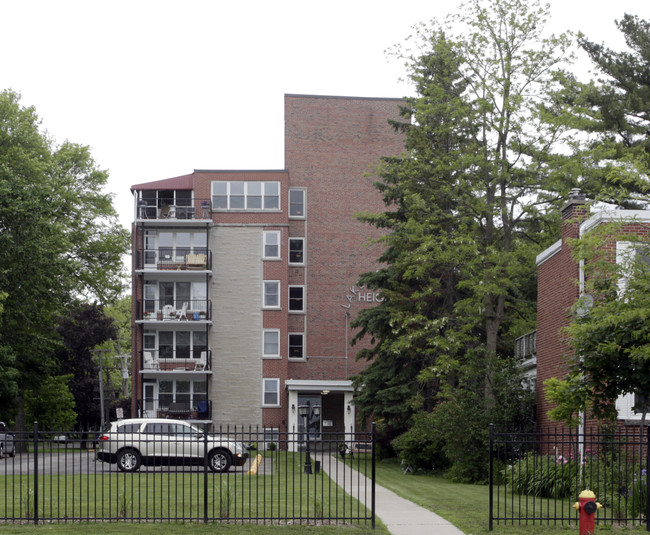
331 145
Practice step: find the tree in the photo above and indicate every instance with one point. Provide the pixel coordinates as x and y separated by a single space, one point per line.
59 238
81 330
468 206
52 405
610 334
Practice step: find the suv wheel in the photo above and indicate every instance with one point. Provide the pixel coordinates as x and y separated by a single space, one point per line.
219 461
128 460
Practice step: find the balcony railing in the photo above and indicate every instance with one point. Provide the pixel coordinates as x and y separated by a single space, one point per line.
169 310
175 259
181 409
182 210
526 346
176 360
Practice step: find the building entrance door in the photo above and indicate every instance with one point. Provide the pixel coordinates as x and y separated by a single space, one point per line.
150 400
313 419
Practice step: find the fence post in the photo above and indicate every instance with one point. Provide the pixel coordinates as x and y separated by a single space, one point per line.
374 478
205 473
491 475
647 479
35 473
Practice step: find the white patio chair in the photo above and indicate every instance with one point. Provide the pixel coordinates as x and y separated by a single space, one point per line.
182 313
150 363
200 364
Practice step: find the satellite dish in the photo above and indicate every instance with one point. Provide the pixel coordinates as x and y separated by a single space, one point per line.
584 305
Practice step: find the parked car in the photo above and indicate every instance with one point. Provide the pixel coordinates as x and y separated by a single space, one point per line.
7 441
149 441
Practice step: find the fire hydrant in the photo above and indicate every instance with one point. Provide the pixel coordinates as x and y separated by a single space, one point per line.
587 505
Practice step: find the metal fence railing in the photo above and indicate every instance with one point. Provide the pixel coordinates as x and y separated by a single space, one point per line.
59 477
535 478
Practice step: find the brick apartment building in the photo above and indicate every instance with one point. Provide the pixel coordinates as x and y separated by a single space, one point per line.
244 282
560 285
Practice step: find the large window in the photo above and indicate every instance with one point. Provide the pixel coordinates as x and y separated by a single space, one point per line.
271 343
271 392
245 195
271 298
296 203
169 247
296 346
296 250
296 298
272 244
181 391
181 344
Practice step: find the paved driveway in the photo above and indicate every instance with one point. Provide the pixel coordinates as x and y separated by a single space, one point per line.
83 462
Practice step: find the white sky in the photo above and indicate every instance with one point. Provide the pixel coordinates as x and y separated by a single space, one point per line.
160 88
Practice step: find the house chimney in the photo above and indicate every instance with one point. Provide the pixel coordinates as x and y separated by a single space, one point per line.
573 213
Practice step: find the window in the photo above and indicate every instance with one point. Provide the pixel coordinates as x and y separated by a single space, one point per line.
296 203
271 343
181 391
296 298
271 297
272 243
296 346
296 250
630 256
271 392
181 344
245 195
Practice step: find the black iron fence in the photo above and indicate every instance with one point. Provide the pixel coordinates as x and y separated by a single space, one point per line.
57 477
535 478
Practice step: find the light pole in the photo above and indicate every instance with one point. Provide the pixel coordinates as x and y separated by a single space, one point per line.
306 411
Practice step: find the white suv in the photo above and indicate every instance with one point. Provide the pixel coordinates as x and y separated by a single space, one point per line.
131 443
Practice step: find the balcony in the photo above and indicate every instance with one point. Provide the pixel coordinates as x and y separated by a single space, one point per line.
170 360
169 210
166 310
174 259
163 407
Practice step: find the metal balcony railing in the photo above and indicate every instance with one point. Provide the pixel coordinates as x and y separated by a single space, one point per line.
174 310
175 259
179 359
181 209
185 408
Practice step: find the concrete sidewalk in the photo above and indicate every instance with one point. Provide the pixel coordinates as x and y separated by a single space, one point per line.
400 516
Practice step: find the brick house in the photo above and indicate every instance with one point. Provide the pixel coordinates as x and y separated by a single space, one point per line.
560 285
244 282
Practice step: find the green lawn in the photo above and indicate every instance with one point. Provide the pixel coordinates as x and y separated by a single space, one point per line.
465 506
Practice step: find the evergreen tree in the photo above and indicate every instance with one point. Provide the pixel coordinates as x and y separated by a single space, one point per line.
469 205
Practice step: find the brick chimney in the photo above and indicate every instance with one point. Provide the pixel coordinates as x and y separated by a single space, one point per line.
574 212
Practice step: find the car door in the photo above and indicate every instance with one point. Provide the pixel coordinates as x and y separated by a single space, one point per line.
155 440
189 443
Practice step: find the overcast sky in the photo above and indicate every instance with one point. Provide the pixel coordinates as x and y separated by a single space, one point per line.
159 88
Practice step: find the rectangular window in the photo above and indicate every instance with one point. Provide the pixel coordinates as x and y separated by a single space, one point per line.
245 196
271 297
271 344
296 250
272 243
296 346
296 203
296 298
271 392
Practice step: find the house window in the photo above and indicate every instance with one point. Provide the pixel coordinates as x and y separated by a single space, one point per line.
271 297
272 244
296 298
181 344
630 256
271 343
296 346
181 391
245 195
296 250
296 203
271 392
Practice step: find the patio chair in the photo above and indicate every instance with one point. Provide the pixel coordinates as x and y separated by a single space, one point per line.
168 312
182 313
150 363
200 364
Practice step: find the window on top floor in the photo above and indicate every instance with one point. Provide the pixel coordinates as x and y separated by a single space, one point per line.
296 203
243 196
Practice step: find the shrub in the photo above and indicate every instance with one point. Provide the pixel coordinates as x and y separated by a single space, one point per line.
544 476
421 447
